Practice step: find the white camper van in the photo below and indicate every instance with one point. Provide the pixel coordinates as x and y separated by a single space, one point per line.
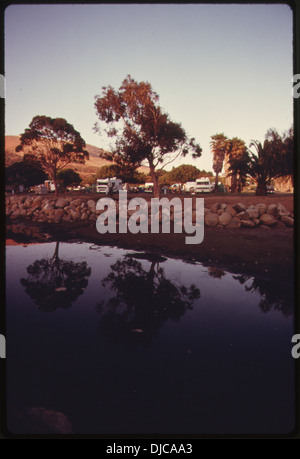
204 185
103 185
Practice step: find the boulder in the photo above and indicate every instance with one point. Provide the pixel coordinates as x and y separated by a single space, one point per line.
75 215
215 207
252 212
225 218
239 207
91 204
243 215
77 202
61 202
84 216
288 221
248 223
282 211
234 223
231 210
272 209
211 219
261 208
268 219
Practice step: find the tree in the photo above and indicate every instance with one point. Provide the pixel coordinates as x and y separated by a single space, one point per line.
236 153
272 159
184 173
144 299
55 142
142 131
68 177
128 175
55 283
28 172
219 146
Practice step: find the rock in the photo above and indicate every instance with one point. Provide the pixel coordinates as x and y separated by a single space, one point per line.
248 223
58 213
239 207
91 204
61 202
268 219
75 215
225 218
77 202
231 210
206 210
252 212
256 221
37 201
282 211
288 221
243 215
272 209
211 219
84 216
215 207
234 223
223 206
261 208
15 214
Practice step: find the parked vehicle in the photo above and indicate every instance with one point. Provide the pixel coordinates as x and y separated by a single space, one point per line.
204 185
105 185
149 187
49 184
189 187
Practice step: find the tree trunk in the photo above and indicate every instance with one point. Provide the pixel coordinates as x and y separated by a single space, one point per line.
55 184
233 184
261 189
154 179
216 182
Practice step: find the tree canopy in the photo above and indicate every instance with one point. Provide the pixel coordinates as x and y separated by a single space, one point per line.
271 159
128 175
28 172
68 177
141 130
55 142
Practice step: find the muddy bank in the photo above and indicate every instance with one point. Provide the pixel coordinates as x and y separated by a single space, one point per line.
267 252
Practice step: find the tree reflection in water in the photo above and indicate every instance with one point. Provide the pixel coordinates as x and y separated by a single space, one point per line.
274 295
143 301
55 283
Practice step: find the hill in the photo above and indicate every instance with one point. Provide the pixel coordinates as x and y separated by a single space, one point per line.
89 168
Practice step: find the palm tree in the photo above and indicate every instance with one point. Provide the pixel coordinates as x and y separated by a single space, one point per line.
219 146
236 155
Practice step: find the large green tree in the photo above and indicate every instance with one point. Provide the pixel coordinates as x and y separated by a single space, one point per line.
28 172
128 175
55 142
184 173
271 159
236 154
142 131
68 177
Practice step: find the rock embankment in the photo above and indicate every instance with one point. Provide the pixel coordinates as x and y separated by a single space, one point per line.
43 209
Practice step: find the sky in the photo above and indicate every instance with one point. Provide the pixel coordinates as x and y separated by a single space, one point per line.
216 68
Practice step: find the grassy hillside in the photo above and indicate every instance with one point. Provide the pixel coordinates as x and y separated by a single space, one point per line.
90 167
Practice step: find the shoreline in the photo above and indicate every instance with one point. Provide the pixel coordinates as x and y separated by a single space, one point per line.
265 252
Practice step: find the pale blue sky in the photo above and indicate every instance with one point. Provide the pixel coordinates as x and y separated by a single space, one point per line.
216 68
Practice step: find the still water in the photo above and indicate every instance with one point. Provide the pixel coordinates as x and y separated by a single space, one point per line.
123 342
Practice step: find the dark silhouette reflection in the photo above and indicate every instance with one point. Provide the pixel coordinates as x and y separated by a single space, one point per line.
143 301
274 295
55 283
216 273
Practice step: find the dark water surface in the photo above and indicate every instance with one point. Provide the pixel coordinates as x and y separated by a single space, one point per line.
127 343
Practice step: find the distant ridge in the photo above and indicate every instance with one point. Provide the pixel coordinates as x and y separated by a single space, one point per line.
90 167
